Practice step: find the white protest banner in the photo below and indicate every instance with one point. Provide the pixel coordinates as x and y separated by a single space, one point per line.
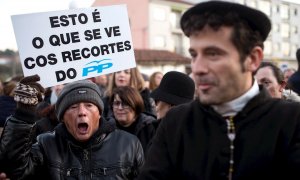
65 46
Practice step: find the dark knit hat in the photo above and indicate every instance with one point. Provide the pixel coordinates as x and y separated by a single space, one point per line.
75 92
256 19
175 88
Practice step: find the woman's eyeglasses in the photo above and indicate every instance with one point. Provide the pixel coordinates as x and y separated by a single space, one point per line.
118 104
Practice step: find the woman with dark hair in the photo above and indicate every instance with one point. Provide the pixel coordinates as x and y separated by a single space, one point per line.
129 77
128 111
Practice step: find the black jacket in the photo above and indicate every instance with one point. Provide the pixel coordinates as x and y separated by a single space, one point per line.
142 128
109 154
192 143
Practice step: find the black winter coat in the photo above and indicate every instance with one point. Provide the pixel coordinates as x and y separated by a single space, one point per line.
192 143
143 128
109 154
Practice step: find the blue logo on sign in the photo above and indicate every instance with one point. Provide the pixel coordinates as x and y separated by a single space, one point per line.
96 66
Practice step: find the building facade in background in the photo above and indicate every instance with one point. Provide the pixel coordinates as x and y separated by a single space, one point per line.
155 25
155 31
284 39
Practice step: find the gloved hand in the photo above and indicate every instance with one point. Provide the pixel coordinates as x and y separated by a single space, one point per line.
29 92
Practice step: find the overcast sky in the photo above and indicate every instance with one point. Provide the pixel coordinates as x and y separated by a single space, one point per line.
12 7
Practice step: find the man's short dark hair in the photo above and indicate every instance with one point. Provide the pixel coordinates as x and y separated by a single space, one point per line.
243 37
250 26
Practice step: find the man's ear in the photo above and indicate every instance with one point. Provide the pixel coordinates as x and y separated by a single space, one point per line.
282 86
254 59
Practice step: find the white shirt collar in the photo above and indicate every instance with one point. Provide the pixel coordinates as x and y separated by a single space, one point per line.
231 108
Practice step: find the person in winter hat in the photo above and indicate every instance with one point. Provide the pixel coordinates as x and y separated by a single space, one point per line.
174 89
84 145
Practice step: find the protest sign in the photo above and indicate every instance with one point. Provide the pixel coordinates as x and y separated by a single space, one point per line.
70 45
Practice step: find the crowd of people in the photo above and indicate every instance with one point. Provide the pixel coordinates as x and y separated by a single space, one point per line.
235 117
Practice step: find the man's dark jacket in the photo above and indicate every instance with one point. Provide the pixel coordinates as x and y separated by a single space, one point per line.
192 143
109 154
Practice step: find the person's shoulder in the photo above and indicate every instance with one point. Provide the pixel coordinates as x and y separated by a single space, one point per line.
289 103
123 139
123 135
181 114
283 102
147 117
46 138
284 106
186 107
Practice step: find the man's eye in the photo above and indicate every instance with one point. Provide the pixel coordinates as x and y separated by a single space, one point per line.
73 106
89 104
212 53
193 55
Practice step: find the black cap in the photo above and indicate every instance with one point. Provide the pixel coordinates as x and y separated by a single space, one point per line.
175 88
256 19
